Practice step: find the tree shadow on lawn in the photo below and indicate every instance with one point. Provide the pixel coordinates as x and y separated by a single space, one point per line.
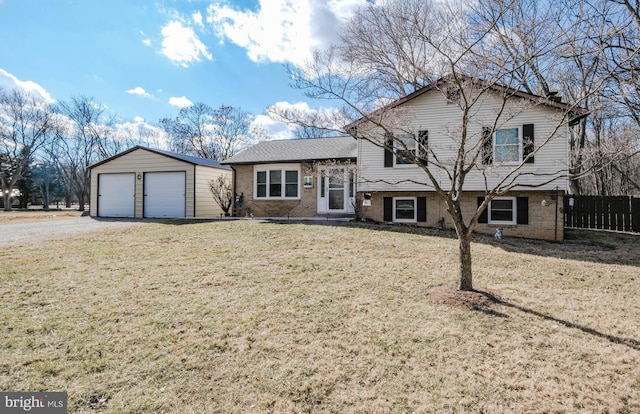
581 245
484 301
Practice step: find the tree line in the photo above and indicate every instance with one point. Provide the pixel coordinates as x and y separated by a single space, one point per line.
46 148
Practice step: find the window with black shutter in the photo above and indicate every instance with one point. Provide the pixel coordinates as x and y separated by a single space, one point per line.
421 205
484 216
423 146
522 208
387 210
487 146
528 145
388 151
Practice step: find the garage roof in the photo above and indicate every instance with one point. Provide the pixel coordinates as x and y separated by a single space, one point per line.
297 150
186 158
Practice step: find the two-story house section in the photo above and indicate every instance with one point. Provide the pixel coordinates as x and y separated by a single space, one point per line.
513 141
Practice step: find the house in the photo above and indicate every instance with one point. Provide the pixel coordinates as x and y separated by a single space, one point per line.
145 182
507 130
295 178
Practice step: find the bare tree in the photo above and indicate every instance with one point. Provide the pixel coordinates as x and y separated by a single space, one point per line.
222 191
210 133
87 137
455 48
26 124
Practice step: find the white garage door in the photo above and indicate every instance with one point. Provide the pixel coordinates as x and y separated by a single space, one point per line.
164 194
116 195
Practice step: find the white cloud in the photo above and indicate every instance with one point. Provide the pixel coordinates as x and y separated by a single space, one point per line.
282 30
138 119
327 118
181 44
146 41
181 102
138 90
9 81
197 18
272 129
142 133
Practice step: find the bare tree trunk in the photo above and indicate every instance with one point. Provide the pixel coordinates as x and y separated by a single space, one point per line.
7 201
465 274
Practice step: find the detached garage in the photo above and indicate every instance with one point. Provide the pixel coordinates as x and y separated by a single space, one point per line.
146 182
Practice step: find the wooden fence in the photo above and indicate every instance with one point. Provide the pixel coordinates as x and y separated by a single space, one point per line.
619 213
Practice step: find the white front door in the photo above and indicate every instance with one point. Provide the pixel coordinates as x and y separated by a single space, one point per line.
336 191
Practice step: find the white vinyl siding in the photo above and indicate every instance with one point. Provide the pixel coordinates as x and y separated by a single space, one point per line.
431 112
205 204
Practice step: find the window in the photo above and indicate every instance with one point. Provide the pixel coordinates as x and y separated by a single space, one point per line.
507 145
502 211
277 184
404 209
291 184
261 184
405 156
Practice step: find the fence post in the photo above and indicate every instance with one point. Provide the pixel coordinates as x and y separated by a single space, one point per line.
635 214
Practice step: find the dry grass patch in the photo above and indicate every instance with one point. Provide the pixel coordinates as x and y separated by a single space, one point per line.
33 215
249 316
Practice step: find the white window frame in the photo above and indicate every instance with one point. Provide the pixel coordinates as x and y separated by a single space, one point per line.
398 147
495 146
415 210
514 213
283 168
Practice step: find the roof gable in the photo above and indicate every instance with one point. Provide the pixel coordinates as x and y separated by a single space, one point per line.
576 113
181 157
297 150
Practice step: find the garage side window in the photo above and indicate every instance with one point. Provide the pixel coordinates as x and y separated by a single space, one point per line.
277 183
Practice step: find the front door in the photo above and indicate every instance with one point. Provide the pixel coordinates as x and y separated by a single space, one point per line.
336 191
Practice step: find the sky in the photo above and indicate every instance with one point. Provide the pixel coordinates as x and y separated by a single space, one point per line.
146 59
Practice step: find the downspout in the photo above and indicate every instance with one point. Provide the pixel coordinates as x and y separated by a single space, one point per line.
233 206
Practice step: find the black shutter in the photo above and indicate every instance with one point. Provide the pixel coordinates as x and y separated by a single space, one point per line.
388 150
522 210
387 213
422 209
487 146
527 142
484 216
423 146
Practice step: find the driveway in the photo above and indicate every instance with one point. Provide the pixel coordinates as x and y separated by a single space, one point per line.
23 233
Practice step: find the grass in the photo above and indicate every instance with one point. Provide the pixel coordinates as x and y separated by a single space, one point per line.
246 316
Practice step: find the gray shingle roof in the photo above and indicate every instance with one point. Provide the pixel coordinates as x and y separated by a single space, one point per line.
296 150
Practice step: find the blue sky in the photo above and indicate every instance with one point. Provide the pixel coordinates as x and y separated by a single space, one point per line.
146 59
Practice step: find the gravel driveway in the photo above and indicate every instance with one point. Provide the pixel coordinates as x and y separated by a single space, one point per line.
22 233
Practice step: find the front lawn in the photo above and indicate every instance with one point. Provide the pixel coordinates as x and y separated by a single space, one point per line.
248 316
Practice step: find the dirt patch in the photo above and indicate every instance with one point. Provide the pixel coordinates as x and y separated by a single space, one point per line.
451 297
35 216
